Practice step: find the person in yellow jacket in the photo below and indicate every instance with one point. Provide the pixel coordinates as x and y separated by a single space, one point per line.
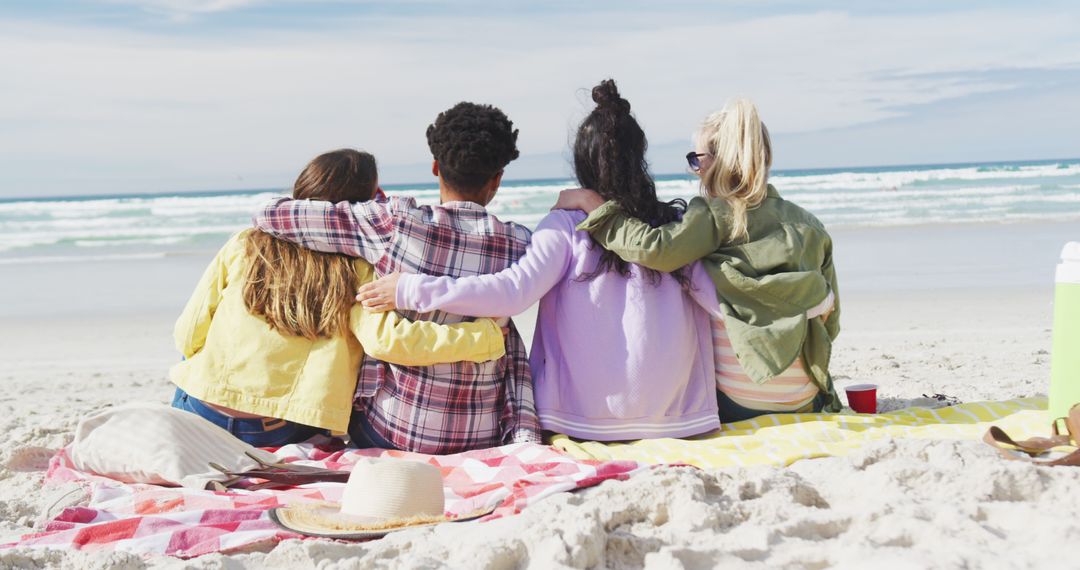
272 337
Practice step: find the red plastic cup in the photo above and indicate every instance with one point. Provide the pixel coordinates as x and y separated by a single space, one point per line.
862 398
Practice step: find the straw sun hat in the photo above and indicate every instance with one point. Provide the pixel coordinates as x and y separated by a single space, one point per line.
381 496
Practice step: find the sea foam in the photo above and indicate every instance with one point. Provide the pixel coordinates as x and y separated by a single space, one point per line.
39 230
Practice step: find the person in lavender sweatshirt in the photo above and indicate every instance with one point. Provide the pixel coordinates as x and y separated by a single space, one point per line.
620 352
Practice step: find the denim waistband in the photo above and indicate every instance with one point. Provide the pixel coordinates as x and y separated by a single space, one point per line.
229 423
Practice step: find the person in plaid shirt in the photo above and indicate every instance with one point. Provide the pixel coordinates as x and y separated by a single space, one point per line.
446 408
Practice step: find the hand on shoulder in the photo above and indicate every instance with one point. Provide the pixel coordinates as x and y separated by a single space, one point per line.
578 199
380 295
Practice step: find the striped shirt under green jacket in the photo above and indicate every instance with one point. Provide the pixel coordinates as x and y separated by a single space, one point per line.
765 283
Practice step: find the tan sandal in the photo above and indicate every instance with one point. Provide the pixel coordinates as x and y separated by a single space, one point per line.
1028 449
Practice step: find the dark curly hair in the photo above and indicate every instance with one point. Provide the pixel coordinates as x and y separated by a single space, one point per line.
472 144
609 158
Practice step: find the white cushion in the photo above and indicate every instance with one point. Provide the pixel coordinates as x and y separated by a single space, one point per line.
158 444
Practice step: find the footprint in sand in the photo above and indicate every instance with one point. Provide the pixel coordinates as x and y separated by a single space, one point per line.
30 458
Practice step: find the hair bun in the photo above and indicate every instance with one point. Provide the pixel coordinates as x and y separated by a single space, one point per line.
606 95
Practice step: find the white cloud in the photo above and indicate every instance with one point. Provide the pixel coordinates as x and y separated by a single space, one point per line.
183 10
137 110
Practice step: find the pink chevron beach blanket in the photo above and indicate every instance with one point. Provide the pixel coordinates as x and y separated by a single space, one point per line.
155 520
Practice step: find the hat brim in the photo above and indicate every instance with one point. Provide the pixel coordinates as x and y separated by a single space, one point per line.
325 520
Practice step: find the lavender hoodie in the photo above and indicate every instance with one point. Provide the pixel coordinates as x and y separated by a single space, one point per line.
613 358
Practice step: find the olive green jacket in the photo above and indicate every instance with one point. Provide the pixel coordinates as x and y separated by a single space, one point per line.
765 284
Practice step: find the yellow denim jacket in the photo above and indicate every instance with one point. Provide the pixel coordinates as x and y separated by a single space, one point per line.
234 359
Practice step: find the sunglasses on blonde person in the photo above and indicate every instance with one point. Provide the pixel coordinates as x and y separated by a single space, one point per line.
694 160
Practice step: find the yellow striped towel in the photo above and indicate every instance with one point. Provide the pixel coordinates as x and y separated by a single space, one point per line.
782 439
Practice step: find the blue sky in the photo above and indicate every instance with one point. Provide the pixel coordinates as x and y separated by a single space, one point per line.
164 95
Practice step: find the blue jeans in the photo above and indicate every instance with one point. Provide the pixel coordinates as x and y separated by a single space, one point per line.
732 412
259 432
364 436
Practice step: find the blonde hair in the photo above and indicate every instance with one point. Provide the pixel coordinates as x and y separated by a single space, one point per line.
307 293
742 156
298 292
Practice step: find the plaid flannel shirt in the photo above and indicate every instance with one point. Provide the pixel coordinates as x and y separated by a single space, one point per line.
445 408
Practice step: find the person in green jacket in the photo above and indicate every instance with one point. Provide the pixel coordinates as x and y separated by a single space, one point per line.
771 262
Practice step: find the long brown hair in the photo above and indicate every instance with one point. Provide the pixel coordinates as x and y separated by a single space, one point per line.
301 292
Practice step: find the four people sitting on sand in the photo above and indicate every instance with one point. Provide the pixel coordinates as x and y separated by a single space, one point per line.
684 317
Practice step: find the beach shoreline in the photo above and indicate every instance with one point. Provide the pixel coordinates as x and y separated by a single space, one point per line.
893 259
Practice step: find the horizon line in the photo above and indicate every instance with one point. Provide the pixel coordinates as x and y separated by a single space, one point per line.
403 185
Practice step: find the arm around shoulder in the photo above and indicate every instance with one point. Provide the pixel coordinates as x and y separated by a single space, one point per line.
508 292
392 338
663 248
357 229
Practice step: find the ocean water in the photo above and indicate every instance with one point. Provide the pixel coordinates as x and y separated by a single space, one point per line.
153 226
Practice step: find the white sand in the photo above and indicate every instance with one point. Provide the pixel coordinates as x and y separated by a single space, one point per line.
896 504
